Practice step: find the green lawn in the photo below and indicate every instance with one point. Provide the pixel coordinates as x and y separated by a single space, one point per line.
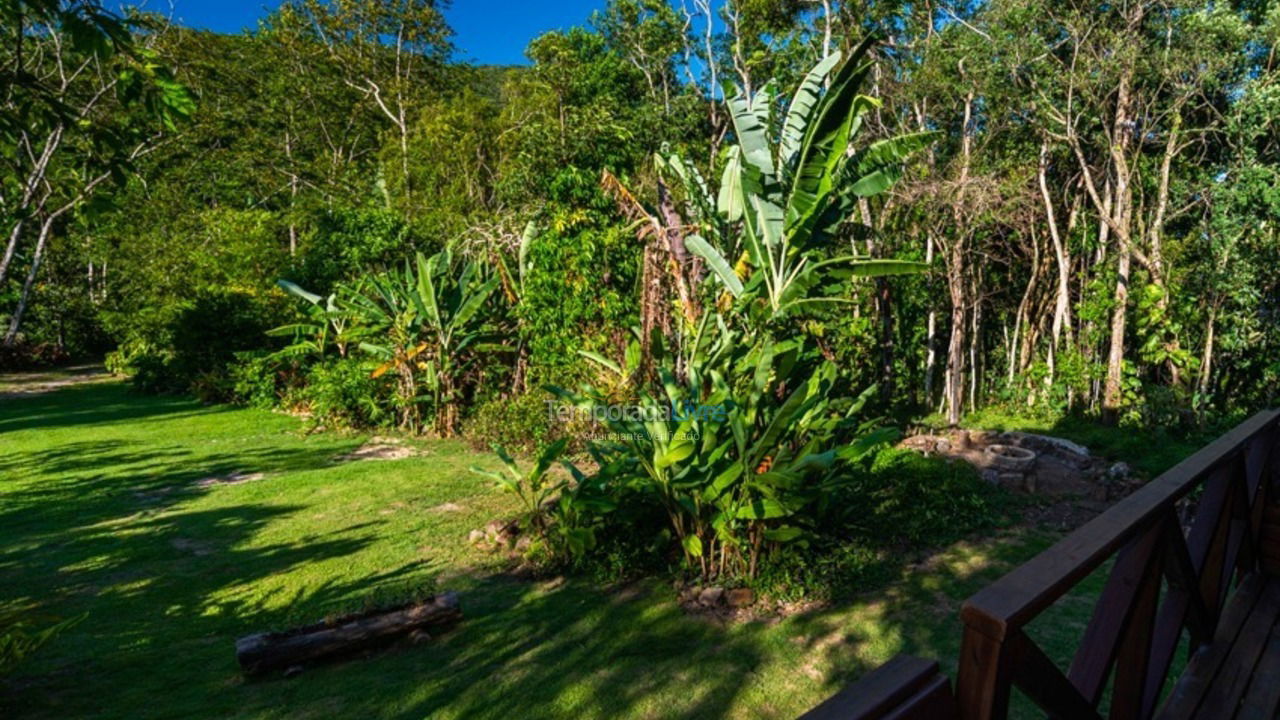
102 513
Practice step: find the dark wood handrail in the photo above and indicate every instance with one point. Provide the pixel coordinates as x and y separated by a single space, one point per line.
1135 629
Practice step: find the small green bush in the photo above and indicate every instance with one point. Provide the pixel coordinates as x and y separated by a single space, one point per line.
342 392
259 380
827 570
520 423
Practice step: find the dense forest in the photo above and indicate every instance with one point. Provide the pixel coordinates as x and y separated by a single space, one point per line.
1098 210
812 214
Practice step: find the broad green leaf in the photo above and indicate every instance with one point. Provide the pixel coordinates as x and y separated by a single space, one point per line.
762 509
601 360
753 136
783 534
730 201
692 545
473 303
296 290
678 451
801 109
885 268
716 262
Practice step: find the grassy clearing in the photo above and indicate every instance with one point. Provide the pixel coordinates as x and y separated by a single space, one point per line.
102 513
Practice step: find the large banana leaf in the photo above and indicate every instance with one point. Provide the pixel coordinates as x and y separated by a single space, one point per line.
753 136
801 109
700 247
730 201
297 291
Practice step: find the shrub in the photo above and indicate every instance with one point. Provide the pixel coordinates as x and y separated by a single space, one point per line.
189 347
518 422
30 356
260 380
342 392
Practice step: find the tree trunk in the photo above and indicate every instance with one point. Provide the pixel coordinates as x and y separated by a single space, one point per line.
1155 252
955 349
956 274
15 323
931 333
1122 216
1062 305
1206 358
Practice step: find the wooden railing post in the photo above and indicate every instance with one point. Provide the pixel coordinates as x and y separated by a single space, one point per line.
982 678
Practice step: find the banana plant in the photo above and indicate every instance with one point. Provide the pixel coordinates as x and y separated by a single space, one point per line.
327 323
790 198
739 447
424 323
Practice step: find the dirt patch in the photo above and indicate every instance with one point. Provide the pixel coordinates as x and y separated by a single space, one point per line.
1076 484
380 448
195 547
22 384
235 478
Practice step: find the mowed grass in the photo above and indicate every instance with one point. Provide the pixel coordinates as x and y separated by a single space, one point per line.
102 514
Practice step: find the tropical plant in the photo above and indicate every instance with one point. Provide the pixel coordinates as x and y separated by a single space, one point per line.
535 488
426 320
327 323
422 322
563 512
741 440
741 450
782 204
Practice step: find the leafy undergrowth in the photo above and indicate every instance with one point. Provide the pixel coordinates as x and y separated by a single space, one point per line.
903 506
107 508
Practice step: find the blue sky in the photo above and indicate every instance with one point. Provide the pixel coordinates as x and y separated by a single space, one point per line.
487 31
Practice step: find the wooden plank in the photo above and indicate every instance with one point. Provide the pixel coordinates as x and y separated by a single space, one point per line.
1209 538
1135 649
1111 614
982 677
933 702
1262 699
1242 552
1191 688
879 691
1182 607
1184 583
1229 685
1039 679
1256 456
1024 593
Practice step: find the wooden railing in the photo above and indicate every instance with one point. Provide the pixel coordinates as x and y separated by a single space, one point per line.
1179 544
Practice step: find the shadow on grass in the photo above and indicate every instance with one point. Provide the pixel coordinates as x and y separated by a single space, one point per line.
91 404
104 528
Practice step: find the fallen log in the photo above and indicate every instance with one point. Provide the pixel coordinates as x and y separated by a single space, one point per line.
279 651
